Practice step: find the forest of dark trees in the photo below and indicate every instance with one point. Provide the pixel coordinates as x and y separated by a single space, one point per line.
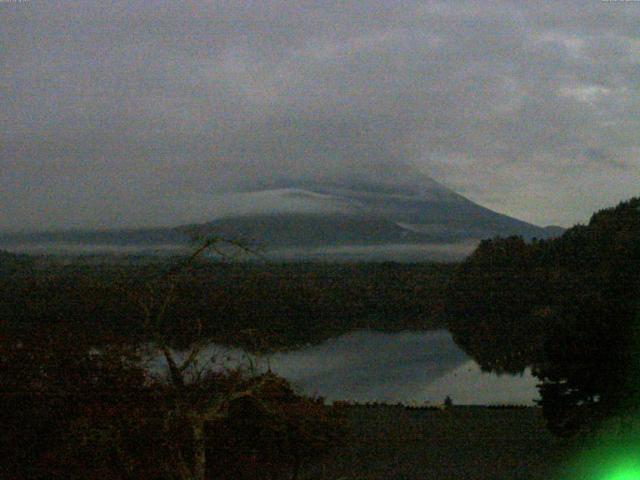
287 304
569 308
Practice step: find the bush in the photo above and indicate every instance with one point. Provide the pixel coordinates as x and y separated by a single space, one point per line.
62 402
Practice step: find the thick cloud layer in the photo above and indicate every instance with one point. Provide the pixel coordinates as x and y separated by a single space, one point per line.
123 113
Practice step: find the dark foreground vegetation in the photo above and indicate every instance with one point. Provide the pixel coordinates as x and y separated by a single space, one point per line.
283 305
70 412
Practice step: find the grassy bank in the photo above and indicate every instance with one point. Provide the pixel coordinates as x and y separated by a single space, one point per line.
474 443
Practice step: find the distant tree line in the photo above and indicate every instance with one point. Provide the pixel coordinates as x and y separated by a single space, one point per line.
14 262
567 307
290 305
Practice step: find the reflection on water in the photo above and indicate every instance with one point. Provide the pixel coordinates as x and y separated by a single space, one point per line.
408 367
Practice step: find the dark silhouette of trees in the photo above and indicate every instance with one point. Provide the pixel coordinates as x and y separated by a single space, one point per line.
496 304
292 304
13 262
591 367
567 307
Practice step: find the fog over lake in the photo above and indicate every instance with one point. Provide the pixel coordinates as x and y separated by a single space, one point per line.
366 366
410 252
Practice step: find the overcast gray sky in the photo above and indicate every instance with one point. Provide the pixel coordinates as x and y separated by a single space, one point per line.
133 113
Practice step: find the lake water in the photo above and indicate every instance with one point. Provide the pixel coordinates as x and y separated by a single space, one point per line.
408 367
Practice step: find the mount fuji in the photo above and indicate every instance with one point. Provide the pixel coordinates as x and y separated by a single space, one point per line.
366 221
412 221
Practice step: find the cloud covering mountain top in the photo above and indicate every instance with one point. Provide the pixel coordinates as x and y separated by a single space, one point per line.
123 113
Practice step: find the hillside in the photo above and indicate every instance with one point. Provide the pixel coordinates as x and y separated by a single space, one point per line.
365 221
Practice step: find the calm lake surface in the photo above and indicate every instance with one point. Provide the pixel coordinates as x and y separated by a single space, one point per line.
365 366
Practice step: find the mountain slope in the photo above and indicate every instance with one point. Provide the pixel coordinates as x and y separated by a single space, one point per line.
339 216
339 220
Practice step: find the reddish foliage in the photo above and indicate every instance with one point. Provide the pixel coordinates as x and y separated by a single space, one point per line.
70 412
